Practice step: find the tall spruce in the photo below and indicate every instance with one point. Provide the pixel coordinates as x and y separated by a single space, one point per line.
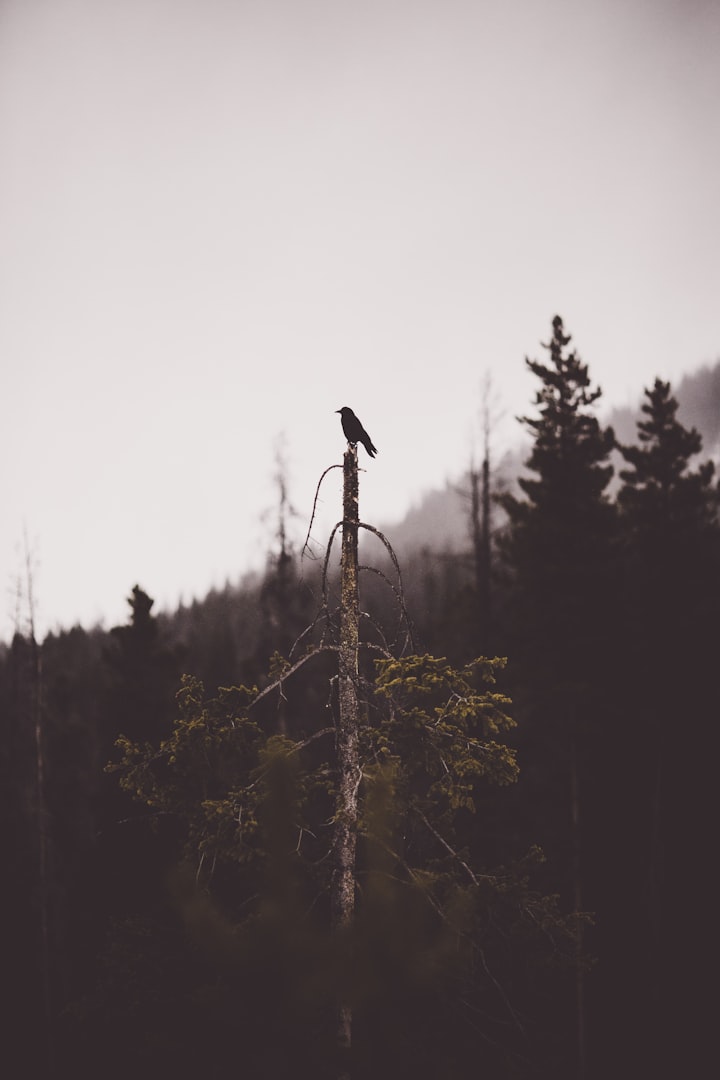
669 504
556 545
557 549
664 500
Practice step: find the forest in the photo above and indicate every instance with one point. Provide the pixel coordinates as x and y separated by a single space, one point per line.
532 877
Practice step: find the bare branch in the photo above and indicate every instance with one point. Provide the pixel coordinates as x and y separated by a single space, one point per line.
294 749
315 500
399 592
291 671
438 908
441 839
322 613
311 739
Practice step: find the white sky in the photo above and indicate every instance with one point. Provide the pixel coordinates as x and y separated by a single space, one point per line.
222 220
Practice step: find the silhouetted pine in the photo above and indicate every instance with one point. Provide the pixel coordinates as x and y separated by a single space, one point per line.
556 546
557 550
671 588
143 674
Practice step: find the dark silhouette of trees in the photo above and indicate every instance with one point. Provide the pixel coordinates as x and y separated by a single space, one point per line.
671 585
433 958
556 549
189 920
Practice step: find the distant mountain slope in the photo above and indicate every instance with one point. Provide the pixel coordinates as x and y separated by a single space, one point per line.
438 521
699 406
441 522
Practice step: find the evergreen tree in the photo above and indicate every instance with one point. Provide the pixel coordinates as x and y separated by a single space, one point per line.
559 531
672 597
557 549
143 674
449 963
139 703
665 502
557 544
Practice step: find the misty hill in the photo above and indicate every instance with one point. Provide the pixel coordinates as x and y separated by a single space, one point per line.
440 522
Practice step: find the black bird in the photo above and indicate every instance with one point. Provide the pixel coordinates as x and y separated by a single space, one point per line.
354 431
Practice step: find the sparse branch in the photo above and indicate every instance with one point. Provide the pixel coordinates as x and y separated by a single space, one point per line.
315 501
441 839
378 631
295 749
291 671
322 613
399 592
328 551
442 914
399 596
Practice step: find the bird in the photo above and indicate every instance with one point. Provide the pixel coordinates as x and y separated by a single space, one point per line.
354 431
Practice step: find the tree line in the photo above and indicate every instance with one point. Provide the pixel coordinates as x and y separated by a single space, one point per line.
533 784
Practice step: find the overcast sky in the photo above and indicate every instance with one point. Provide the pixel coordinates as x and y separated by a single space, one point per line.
221 220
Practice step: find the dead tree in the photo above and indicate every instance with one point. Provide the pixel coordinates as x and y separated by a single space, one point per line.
348 769
342 899
481 519
32 707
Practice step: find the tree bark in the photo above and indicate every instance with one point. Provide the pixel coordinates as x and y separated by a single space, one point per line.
342 900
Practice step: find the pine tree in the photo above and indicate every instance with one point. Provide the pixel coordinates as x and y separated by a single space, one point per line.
671 532
557 549
143 674
671 561
664 500
558 532
557 543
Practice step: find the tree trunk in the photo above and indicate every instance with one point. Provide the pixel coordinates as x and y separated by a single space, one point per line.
41 816
480 503
342 900
578 904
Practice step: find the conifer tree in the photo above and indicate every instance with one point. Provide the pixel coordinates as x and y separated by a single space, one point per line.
556 546
671 585
557 549
570 457
664 500
143 673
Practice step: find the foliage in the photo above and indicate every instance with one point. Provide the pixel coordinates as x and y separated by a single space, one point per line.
661 493
441 729
557 542
570 449
433 923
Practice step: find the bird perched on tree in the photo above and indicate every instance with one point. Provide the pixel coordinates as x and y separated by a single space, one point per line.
354 431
